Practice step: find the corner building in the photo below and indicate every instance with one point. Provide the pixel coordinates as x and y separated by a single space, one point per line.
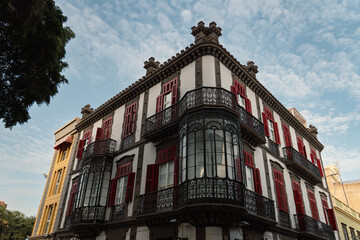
196 149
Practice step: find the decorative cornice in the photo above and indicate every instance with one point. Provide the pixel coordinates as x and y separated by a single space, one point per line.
181 60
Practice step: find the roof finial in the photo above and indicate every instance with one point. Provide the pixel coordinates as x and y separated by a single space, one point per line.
206 34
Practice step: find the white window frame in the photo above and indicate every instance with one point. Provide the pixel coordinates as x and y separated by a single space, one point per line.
57 181
241 100
250 184
121 189
168 172
48 219
271 130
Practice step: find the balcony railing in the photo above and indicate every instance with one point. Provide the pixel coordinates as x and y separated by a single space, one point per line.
118 212
284 219
274 148
91 214
206 190
306 224
297 162
100 147
204 96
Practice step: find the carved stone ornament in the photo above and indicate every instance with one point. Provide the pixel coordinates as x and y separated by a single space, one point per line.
206 34
252 68
151 66
86 111
313 130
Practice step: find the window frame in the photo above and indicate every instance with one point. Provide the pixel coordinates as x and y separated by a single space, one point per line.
130 120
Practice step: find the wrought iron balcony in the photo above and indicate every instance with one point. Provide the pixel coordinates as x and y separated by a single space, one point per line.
118 212
93 214
311 228
167 119
100 147
284 219
274 148
206 191
296 162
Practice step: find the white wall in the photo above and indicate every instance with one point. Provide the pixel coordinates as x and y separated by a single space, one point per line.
139 117
187 79
226 77
117 125
149 158
252 97
259 163
154 92
97 125
142 233
186 230
208 71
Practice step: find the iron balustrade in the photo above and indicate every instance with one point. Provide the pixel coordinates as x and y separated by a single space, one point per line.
310 225
118 212
284 219
206 190
274 148
290 154
204 96
100 147
90 214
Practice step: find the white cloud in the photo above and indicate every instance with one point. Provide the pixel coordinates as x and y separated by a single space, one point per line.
186 16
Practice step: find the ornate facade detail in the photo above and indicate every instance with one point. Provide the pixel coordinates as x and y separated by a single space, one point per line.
86 111
151 66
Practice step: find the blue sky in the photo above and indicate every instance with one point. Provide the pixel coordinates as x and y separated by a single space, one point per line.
307 52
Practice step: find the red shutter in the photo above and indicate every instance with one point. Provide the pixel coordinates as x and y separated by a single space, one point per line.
174 94
332 220
312 158
325 206
130 187
277 136
300 146
151 178
313 206
133 117
176 171
266 127
257 180
286 135
112 192
320 168
238 169
71 199
159 103
248 105
233 90
99 134
280 190
80 149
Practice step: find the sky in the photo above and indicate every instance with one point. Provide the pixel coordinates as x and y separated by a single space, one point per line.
307 53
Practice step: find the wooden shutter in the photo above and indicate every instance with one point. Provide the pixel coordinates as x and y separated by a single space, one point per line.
325 206
248 105
151 178
99 134
159 103
133 117
286 135
107 126
332 220
130 187
300 146
80 149
269 114
266 127
248 159
277 136
174 94
257 180
238 169
313 206
112 192
71 199
320 168
280 190
298 199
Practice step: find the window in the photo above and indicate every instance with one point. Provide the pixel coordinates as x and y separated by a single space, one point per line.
298 197
48 220
286 135
209 151
104 132
57 181
270 126
130 117
168 96
71 198
280 190
164 173
241 98
313 206
253 181
316 161
358 233
344 229
301 147
83 143
121 187
352 232
64 153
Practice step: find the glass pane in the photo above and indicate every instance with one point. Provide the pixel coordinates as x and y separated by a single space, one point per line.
221 171
219 135
210 170
191 148
191 137
199 136
249 178
199 171
191 172
191 161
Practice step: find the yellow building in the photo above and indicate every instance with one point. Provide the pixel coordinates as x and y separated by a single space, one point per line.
345 198
348 220
47 216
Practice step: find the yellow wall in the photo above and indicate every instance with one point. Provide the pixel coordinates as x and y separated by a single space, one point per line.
52 197
346 215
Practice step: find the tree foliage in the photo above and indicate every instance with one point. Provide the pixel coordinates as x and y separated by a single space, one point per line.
32 46
14 225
